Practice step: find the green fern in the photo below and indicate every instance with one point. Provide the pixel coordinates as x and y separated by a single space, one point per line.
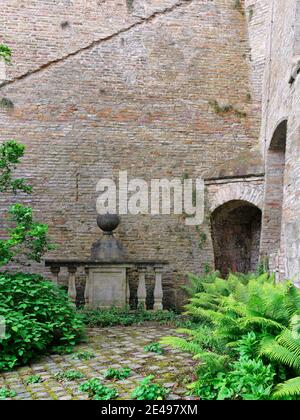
208 360
282 349
261 322
181 344
245 314
288 388
196 283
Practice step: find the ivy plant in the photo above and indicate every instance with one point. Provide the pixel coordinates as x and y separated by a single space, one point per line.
5 53
6 393
68 375
147 390
154 348
83 355
33 379
117 374
97 391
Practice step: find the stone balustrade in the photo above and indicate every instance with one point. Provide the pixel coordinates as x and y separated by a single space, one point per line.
143 268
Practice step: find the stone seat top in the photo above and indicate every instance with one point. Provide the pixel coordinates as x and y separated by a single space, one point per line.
89 262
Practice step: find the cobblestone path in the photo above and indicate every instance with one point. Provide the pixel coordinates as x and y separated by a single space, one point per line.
113 347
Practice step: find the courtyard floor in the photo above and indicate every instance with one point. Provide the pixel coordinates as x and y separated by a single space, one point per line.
112 347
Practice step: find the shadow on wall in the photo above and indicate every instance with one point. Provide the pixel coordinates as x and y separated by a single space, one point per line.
236 228
274 186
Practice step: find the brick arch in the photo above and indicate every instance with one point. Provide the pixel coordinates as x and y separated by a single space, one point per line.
238 192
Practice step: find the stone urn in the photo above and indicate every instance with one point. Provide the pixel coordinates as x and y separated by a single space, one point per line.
108 222
108 248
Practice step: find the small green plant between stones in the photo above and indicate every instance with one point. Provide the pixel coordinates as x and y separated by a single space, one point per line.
248 97
129 4
32 379
202 240
83 355
149 391
238 6
251 13
117 374
6 393
6 103
97 391
226 109
154 348
5 53
68 375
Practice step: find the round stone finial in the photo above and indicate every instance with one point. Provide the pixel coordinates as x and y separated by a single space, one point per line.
108 222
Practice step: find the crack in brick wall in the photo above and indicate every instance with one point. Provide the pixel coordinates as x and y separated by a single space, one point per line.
94 43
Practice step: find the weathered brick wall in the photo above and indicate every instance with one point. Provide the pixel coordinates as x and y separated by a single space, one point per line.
257 14
43 31
118 89
281 102
291 210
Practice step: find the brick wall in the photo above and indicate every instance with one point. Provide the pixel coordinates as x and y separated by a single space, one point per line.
126 89
281 102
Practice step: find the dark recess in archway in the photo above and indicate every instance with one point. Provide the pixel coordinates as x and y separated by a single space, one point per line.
236 228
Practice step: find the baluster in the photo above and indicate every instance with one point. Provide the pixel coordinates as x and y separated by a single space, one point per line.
72 284
141 291
158 290
87 287
127 291
55 271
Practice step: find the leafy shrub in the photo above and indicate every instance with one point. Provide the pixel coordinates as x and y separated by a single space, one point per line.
27 239
38 316
83 355
154 348
68 375
248 345
6 393
149 391
117 374
248 380
98 391
33 379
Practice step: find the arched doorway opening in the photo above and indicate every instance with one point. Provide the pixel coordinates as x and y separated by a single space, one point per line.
236 227
274 186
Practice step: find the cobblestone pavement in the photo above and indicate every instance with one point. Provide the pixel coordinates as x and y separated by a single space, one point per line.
113 347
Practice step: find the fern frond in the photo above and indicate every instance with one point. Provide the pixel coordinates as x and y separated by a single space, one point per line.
289 388
182 344
208 314
286 339
205 300
211 362
275 352
261 321
208 357
187 331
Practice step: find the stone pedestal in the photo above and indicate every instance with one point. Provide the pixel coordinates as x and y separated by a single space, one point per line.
106 286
